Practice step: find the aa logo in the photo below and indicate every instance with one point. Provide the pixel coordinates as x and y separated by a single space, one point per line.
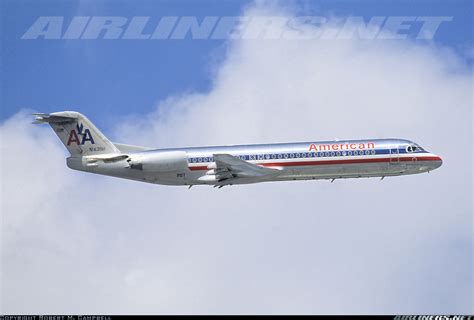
81 132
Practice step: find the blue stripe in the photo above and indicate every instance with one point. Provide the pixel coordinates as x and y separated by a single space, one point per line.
306 155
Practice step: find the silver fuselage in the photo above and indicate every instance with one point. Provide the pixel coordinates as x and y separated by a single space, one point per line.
294 161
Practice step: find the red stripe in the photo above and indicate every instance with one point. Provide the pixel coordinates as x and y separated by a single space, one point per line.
198 168
326 162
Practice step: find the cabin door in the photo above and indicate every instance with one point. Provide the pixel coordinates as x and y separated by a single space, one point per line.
394 155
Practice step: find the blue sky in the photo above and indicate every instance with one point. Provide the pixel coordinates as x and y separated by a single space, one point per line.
108 79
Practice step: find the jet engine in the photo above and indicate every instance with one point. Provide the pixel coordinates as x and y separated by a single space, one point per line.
164 161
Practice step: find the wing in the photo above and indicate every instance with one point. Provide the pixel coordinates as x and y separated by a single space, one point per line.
229 168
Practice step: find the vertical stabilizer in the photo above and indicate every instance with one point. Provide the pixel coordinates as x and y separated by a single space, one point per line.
77 133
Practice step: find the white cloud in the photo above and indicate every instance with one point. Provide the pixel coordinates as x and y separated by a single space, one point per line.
78 243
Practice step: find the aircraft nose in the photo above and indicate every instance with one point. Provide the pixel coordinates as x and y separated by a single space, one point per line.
437 162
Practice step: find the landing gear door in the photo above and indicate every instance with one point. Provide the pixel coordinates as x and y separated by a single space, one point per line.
394 155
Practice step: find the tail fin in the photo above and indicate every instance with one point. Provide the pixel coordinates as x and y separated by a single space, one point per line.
77 133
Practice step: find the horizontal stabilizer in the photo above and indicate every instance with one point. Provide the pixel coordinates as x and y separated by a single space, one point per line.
48 118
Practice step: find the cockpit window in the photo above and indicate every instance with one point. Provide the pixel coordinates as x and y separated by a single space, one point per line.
414 148
419 148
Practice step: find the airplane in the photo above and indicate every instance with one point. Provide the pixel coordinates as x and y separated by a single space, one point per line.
219 166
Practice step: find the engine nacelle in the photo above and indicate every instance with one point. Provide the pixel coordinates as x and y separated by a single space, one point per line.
164 161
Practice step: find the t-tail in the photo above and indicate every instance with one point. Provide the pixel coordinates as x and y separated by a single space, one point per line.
77 133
